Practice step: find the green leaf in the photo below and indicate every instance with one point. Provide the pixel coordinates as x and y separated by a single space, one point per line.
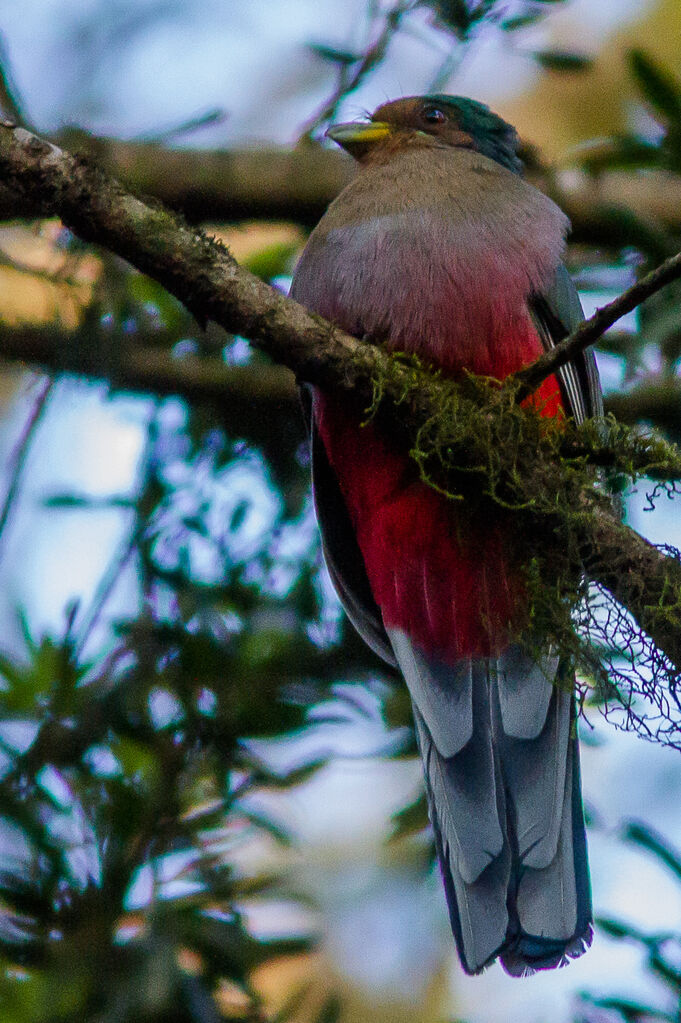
265 823
619 930
49 677
334 55
266 778
272 261
411 819
520 21
140 764
453 14
83 501
640 834
621 151
16 675
397 709
248 887
58 993
659 87
238 515
562 60
143 290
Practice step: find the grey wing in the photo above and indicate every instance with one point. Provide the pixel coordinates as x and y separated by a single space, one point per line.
341 551
556 313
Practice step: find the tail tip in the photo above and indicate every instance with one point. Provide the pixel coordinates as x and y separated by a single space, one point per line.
528 954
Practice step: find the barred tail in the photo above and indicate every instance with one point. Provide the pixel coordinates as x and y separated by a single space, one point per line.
501 760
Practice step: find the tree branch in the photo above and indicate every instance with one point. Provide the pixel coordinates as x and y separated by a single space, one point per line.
143 364
298 184
195 268
214 185
17 462
258 402
658 401
202 274
244 393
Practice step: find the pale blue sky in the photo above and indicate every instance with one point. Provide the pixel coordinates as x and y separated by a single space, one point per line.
249 58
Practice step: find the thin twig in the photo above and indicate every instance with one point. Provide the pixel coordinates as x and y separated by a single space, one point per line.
349 82
449 65
18 458
58 277
125 549
162 136
592 329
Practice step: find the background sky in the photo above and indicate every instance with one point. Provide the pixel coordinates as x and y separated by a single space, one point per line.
124 67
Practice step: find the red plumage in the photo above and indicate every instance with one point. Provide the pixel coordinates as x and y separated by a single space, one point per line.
436 571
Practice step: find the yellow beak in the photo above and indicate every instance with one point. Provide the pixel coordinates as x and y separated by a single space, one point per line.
356 137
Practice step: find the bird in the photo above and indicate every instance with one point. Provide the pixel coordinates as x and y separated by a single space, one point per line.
440 248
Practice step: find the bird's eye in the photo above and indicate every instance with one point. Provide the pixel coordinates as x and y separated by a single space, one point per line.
432 115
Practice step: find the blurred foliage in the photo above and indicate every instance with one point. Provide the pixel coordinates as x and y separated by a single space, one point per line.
131 769
660 145
462 17
652 352
661 952
465 19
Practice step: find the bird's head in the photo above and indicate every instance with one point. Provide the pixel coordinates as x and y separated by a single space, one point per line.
427 122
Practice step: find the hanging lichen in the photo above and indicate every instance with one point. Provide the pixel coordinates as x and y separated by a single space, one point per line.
478 444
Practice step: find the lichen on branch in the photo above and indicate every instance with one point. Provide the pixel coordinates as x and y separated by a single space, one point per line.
599 593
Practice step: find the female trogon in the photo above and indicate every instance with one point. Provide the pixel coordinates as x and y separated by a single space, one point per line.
439 247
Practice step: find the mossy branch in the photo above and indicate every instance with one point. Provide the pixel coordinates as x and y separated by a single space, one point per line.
453 435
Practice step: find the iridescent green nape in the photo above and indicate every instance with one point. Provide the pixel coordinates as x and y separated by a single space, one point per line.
493 136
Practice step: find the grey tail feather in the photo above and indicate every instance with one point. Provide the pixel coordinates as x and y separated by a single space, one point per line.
505 805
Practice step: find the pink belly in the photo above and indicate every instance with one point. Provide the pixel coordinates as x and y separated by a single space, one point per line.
437 571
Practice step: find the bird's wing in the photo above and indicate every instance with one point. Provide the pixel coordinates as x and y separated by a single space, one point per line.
341 551
556 313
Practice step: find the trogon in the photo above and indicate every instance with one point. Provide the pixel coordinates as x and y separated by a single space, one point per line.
440 248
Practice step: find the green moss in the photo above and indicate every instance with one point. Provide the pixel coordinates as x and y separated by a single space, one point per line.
478 445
